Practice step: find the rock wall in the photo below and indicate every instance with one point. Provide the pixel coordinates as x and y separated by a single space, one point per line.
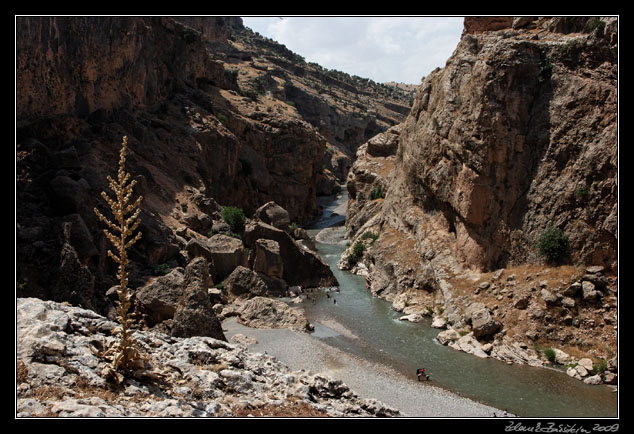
516 134
85 82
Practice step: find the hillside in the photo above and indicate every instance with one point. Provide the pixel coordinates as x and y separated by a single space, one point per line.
215 116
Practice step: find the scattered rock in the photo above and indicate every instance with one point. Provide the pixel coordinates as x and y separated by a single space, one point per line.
200 376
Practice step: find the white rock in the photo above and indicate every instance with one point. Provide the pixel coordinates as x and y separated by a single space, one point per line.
439 322
414 317
588 364
594 380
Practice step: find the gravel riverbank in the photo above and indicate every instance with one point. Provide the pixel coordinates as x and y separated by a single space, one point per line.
300 350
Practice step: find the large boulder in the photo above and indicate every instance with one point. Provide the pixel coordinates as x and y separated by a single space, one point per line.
227 253
194 315
482 323
268 313
158 299
244 282
274 215
268 259
301 266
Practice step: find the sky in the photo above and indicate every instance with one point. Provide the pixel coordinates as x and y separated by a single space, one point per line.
402 49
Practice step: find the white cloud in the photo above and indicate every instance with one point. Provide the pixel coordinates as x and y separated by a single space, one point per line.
402 49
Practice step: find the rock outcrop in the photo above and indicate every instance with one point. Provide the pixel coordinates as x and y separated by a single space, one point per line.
58 375
300 266
264 312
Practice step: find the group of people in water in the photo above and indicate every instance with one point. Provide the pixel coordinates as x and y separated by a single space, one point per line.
297 290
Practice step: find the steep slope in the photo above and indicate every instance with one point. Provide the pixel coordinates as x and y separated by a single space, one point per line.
515 135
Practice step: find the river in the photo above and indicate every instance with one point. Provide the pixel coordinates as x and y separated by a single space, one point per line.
366 328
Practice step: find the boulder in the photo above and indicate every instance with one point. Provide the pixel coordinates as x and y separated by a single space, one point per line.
522 301
158 299
469 345
194 315
589 291
447 336
301 267
593 380
386 144
268 313
482 323
414 317
274 215
549 297
268 259
243 281
609 378
227 253
587 364
573 290
562 357
439 322
199 248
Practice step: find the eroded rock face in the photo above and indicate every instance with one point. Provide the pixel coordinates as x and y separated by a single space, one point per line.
516 134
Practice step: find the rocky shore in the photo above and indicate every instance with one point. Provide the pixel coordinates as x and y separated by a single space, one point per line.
58 375
412 399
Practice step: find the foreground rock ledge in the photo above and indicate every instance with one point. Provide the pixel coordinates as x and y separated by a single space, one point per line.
58 375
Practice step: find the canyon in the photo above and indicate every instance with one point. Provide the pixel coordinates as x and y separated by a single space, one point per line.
450 188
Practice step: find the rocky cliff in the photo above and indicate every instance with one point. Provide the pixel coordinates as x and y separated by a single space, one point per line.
214 115
516 135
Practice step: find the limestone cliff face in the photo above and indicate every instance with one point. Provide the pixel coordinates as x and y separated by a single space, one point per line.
515 134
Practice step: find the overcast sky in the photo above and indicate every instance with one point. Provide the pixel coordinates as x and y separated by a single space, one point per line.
401 49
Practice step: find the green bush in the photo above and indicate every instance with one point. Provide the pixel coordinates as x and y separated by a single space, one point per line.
550 354
377 193
545 70
370 235
600 366
162 269
234 217
357 253
552 244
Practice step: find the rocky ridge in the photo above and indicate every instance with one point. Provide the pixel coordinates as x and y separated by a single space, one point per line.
516 134
58 375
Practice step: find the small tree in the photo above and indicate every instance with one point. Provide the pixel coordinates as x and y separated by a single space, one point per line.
123 354
234 217
552 244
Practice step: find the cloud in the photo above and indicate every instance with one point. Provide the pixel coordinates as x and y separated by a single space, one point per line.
401 49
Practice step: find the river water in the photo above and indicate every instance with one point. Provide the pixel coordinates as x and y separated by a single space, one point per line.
367 327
